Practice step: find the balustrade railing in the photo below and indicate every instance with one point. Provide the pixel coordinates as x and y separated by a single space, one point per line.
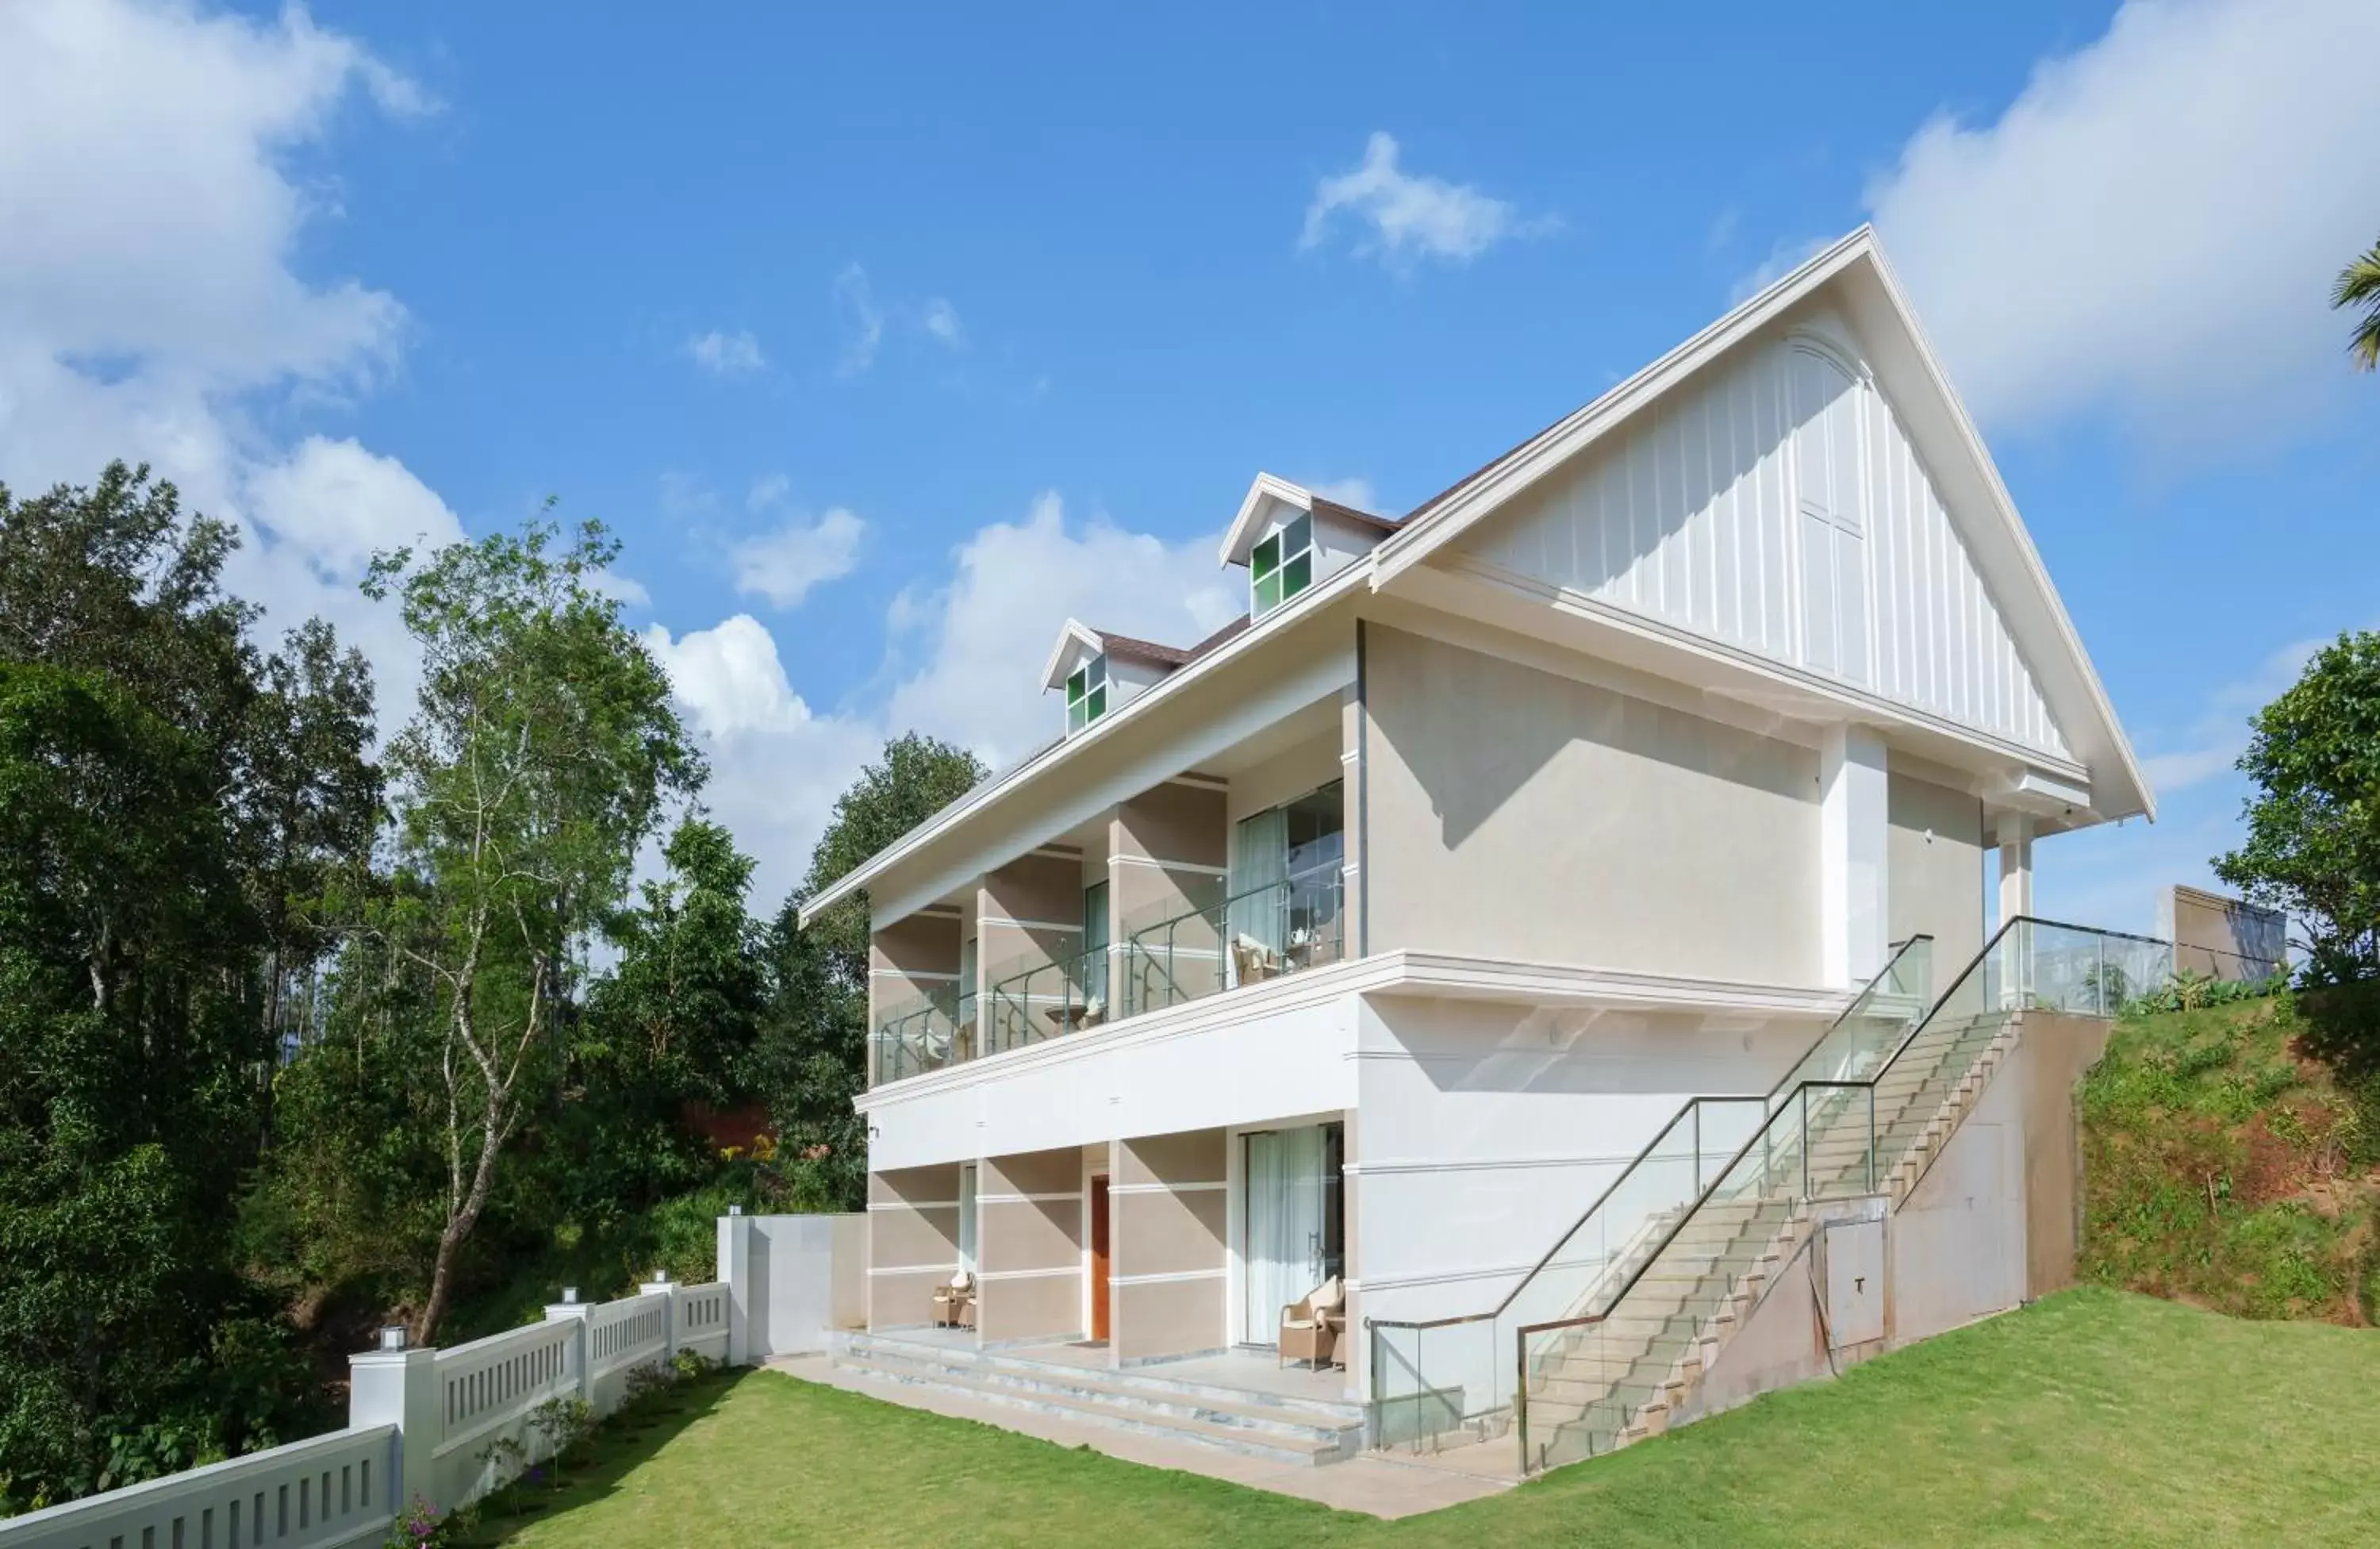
1262 933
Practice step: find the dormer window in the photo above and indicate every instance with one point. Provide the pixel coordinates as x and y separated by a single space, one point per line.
1087 693
1282 566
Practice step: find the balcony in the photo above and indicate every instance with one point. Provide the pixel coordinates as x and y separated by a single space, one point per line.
1250 937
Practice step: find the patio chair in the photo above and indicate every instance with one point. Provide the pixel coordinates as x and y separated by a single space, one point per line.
1252 961
1309 1327
955 1303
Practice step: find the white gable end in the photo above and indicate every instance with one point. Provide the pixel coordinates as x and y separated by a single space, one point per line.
1775 502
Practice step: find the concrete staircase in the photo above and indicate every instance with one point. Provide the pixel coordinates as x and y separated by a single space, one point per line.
1276 1427
1600 1387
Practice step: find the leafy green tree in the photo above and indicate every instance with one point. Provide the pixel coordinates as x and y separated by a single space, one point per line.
672 1026
542 752
814 1046
2358 285
129 1104
2314 829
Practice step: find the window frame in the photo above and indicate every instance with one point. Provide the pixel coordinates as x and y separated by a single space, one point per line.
1089 687
1285 569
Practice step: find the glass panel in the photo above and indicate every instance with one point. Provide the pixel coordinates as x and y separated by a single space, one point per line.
1267 557
1097 703
1296 575
1268 594
1097 673
1095 944
1078 715
1298 536
1262 933
1075 684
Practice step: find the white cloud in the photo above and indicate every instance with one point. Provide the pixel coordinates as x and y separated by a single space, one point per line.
1408 215
857 300
940 322
2215 741
2152 227
1014 584
150 307
973 647
736 354
784 564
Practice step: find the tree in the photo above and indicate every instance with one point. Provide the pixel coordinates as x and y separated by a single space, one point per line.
672 1026
129 1104
2358 285
542 752
814 1046
2314 831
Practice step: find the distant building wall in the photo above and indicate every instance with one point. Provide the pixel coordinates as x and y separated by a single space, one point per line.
2224 938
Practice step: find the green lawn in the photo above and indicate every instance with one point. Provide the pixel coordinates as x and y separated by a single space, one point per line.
2094 1417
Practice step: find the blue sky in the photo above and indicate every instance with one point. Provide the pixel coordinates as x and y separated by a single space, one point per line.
887 338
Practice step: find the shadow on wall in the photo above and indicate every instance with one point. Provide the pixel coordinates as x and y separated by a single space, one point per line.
1475 730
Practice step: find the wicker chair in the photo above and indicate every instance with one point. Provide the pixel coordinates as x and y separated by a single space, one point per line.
1309 1328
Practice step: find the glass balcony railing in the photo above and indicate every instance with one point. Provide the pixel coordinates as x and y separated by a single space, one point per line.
924 1035
1263 932
1050 1000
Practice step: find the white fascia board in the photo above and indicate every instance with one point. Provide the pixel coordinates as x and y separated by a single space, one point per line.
1075 635
1262 495
2037 616
1546 451
2131 794
1258 636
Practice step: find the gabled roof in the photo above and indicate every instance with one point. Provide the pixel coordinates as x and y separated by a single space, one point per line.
1854 271
1268 495
1074 632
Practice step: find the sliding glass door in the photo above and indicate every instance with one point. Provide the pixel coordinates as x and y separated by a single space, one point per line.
1292 1220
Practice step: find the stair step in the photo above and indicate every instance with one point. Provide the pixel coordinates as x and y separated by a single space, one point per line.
1252 1424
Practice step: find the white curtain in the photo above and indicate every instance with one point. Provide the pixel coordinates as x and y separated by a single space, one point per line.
967 1218
1284 1223
1262 861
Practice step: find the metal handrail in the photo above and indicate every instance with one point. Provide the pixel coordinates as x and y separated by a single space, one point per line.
1659 1135
1075 995
1311 882
1870 1081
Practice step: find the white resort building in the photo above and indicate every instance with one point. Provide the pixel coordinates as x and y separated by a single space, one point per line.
1541 917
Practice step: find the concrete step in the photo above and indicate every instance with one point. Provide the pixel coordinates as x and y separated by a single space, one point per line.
1253 1425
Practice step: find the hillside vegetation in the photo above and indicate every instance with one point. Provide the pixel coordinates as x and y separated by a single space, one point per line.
2232 1159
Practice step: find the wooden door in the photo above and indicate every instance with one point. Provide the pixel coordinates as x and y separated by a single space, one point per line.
1099 1257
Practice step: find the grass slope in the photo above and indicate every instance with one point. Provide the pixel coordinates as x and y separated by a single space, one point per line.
2093 1417
2228 1166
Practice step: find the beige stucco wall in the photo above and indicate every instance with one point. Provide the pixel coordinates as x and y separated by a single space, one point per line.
1170 1217
2223 937
1030 1242
1522 815
911 960
1934 870
913 1241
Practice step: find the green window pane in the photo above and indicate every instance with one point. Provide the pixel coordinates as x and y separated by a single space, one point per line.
1266 558
1076 715
1099 701
1075 686
1296 575
1268 594
1297 536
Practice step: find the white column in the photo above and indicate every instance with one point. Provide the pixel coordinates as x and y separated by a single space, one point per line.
2015 835
1854 934
735 1273
661 1286
400 1388
576 1311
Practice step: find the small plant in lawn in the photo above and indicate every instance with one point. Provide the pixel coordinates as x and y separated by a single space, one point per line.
566 1424
691 1364
645 1383
423 1526
503 1460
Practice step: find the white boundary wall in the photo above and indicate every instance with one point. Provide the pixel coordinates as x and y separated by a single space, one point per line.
420 1423
791 1281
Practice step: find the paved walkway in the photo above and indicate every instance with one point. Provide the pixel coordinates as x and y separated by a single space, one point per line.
1378 1484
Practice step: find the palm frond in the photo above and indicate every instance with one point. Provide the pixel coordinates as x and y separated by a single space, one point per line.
2358 285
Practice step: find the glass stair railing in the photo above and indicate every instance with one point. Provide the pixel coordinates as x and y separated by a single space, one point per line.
1452 1380
1855 1119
